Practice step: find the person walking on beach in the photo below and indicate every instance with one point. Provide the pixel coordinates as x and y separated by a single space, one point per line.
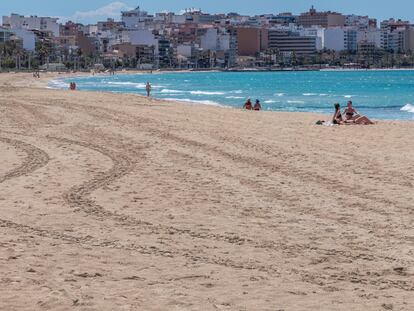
257 106
248 105
148 88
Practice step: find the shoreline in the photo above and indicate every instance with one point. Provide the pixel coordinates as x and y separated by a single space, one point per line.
207 101
26 80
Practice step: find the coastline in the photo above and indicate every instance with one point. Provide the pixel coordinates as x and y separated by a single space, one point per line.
109 200
293 100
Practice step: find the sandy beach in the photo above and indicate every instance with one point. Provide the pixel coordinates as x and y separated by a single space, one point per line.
118 202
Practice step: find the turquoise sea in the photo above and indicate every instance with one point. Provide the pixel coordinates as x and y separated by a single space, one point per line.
377 94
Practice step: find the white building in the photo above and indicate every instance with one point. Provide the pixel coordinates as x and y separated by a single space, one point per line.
140 37
370 36
393 40
316 32
185 50
28 38
89 30
135 18
361 22
340 39
209 41
15 21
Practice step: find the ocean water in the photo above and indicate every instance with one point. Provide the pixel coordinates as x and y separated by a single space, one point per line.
377 94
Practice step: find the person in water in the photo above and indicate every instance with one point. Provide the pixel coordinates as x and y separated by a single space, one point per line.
257 106
337 117
148 89
248 105
352 116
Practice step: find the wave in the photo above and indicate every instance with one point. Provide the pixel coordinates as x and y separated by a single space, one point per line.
310 94
167 91
270 101
236 92
205 93
408 108
193 101
235 97
138 85
58 84
295 101
280 94
348 96
123 83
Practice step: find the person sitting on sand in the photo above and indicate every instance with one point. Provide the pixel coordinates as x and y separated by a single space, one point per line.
248 105
257 106
352 116
337 117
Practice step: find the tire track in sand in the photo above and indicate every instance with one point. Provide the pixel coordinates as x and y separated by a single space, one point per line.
36 159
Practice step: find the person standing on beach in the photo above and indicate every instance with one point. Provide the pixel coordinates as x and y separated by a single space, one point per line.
148 88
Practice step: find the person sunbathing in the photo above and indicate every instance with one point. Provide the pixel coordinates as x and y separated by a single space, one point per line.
337 117
352 116
257 105
248 105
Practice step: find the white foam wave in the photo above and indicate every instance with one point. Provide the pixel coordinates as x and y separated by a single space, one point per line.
295 102
236 92
205 93
235 97
138 85
124 83
270 101
280 94
408 108
310 94
57 84
193 101
167 91
348 96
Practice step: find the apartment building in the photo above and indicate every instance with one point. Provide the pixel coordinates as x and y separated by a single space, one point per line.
251 40
393 41
291 42
15 21
322 19
135 18
340 39
5 35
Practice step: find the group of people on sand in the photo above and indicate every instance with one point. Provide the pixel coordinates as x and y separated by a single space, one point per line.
248 105
349 116
72 86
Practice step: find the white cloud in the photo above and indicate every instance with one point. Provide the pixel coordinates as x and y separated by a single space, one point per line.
112 10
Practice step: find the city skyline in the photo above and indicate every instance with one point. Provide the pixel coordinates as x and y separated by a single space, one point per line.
94 10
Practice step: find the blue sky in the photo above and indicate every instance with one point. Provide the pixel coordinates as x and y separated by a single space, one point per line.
92 10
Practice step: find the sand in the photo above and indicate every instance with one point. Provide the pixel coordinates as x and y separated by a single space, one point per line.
117 202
